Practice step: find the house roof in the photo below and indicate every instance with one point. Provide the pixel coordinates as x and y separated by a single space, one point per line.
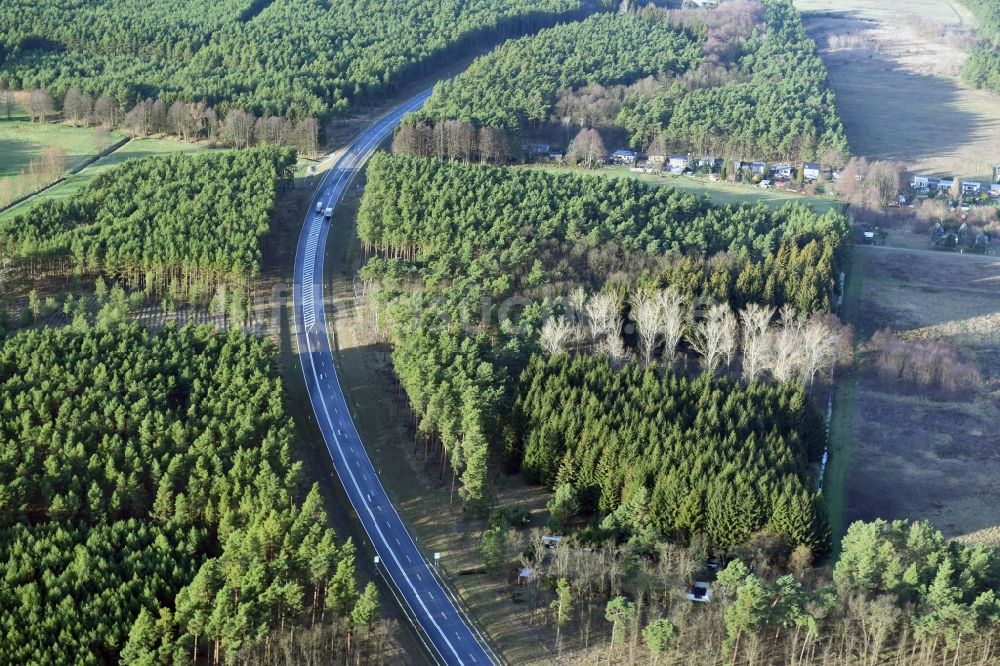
811 165
679 156
624 153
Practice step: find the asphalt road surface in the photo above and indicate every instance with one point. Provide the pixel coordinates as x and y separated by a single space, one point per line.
452 638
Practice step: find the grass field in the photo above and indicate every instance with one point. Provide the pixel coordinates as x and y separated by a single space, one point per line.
898 88
917 455
134 149
719 193
22 141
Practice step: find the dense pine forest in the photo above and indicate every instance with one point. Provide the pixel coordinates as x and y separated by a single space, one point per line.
670 455
475 263
742 80
286 57
150 505
184 227
517 84
982 67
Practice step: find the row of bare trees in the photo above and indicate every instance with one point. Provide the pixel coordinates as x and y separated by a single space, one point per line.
190 121
783 346
454 140
242 129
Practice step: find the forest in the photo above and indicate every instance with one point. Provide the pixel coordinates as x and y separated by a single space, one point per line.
283 57
516 85
742 80
899 593
982 67
640 448
187 228
151 509
475 266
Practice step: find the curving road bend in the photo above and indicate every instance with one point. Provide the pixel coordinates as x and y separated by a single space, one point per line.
453 639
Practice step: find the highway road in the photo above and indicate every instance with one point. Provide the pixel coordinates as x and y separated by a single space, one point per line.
453 639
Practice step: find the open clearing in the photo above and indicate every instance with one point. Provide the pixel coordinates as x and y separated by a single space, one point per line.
718 193
916 456
22 141
897 85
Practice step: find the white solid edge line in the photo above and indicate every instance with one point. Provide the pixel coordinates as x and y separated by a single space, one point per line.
347 174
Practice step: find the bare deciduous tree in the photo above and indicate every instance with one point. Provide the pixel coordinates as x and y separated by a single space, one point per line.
78 106
820 342
756 320
786 350
604 316
674 316
555 335
647 313
239 128
715 337
587 148
106 112
40 105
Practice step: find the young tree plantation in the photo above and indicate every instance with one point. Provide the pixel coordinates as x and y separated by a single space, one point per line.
177 226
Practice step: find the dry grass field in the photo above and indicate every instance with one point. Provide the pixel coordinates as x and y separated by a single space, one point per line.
894 66
919 455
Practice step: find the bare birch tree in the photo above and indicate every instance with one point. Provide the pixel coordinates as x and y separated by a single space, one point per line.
715 337
647 313
555 335
603 315
819 348
756 320
786 350
674 318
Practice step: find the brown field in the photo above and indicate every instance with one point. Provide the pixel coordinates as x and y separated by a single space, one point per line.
918 455
894 66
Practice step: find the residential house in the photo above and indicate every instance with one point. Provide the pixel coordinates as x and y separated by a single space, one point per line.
971 187
810 171
921 183
758 168
996 175
945 184
995 190
536 149
679 162
782 172
710 163
624 156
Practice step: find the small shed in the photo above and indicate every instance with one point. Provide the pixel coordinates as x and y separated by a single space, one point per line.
700 592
